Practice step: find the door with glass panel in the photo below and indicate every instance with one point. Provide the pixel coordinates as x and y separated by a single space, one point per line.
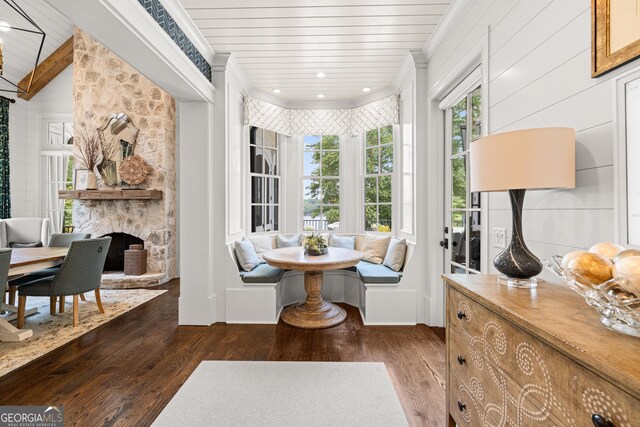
463 209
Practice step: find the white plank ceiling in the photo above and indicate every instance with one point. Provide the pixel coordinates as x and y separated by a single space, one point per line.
283 44
19 49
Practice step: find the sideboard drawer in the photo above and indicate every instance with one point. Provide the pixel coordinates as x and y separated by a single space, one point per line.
463 406
524 380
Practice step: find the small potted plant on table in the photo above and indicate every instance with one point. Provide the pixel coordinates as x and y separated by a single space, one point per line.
315 244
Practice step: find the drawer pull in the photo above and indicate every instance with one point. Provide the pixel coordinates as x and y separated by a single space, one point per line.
461 315
598 420
462 406
461 359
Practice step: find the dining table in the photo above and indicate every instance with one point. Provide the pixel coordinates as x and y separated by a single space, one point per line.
314 312
24 261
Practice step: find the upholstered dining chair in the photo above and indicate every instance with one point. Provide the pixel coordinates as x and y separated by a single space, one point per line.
80 272
57 240
5 262
24 232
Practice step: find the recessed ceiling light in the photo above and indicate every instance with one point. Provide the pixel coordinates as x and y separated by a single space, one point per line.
4 26
320 75
320 95
366 89
276 91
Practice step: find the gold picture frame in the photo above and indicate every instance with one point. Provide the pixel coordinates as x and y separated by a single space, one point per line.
607 52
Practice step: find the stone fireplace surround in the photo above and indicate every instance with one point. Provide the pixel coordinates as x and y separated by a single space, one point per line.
105 84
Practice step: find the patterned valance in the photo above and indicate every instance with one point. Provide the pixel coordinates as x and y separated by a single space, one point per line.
343 121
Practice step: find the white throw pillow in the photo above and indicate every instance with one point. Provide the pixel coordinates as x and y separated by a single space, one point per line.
375 248
246 255
347 242
395 254
262 244
288 241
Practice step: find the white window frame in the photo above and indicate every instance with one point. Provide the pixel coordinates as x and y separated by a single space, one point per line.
621 190
378 175
321 178
266 205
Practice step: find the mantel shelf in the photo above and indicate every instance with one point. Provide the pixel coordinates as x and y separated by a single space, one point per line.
110 194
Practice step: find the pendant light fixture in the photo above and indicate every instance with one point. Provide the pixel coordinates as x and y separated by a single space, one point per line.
29 27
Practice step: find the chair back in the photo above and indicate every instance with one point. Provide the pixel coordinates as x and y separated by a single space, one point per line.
24 230
81 270
5 262
63 240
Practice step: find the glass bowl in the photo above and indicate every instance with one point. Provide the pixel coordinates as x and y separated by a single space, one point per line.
619 310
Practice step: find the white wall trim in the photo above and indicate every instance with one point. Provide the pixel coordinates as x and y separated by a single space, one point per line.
620 154
448 22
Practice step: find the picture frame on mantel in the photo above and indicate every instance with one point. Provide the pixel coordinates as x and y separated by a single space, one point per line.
80 179
615 34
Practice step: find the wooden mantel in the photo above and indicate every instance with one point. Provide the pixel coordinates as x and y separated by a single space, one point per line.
110 194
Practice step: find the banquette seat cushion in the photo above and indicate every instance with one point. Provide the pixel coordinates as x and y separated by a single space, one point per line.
263 273
377 273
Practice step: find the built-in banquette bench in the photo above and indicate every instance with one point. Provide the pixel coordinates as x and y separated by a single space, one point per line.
374 288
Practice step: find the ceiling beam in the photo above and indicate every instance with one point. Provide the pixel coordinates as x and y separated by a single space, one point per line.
48 70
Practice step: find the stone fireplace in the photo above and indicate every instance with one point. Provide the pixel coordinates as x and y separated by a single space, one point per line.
104 84
120 242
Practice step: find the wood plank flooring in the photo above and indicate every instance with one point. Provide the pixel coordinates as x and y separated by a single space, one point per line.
125 372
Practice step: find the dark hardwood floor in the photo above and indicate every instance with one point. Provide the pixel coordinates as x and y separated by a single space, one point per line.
125 372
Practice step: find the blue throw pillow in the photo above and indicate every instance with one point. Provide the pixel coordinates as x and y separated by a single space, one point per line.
288 242
347 242
246 255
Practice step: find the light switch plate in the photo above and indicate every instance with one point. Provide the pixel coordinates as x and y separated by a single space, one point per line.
499 236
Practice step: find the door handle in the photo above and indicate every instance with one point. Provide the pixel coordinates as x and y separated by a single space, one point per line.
444 243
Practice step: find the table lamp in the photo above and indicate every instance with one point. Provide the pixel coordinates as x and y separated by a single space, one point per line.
530 159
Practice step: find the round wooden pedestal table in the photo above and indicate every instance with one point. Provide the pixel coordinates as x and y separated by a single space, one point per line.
314 312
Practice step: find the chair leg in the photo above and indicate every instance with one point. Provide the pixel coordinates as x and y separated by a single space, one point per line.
12 295
61 308
83 298
22 305
75 310
99 300
52 305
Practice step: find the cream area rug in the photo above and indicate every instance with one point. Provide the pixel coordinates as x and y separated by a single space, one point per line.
50 332
229 393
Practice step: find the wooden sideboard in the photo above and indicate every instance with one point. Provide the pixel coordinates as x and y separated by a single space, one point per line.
520 357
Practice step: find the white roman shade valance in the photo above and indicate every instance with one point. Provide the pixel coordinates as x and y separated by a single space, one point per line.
343 121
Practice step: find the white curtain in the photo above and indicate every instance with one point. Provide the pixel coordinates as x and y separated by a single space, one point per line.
56 180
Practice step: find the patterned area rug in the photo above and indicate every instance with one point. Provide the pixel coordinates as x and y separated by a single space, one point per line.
50 332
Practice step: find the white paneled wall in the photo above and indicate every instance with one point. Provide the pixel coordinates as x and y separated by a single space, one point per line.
25 133
539 74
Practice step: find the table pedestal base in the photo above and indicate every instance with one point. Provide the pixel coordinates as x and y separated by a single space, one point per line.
314 313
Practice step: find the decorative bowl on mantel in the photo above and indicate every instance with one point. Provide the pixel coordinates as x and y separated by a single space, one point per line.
619 309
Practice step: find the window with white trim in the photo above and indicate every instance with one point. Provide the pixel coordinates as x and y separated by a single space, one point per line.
378 179
265 180
321 183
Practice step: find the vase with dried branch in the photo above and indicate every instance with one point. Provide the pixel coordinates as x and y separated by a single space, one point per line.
108 166
88 150
134 170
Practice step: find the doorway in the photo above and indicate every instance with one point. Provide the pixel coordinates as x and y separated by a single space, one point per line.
463 209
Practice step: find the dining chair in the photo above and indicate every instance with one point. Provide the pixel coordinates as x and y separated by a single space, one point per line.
5 262
57 240
80 272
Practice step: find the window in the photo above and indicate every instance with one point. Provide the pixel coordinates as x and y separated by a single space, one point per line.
321 182
378 179
58 167
265 180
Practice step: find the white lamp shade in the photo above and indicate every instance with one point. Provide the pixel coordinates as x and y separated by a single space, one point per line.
525 159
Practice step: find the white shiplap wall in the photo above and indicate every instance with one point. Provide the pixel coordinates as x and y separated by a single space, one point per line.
539 74
24 141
